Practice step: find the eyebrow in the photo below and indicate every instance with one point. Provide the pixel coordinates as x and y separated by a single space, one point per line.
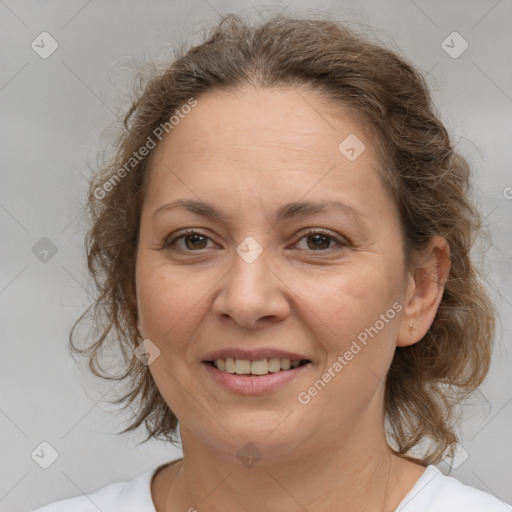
286 212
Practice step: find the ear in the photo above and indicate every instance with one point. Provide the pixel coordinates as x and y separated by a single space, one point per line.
424 292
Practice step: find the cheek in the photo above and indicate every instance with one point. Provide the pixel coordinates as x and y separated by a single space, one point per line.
344 305
358 344
169 303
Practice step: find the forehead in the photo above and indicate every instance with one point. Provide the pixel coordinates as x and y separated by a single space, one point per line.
283 120
265 143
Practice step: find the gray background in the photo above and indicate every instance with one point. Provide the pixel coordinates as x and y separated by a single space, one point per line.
53 113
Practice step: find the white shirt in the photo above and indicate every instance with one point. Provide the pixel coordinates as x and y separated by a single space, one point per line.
433 492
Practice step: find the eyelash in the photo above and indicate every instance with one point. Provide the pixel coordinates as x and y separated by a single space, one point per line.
310 232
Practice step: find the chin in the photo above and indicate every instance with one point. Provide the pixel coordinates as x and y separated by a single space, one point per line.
259 438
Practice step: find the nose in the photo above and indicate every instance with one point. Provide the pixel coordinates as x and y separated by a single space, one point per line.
252 293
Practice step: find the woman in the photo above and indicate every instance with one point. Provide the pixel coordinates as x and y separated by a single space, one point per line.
281 245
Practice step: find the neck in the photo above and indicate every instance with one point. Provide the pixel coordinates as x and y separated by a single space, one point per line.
359 473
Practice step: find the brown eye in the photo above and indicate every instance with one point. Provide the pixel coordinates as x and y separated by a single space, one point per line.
193 240
320 241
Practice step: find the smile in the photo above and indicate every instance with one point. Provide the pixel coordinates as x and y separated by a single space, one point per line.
257 367
255 376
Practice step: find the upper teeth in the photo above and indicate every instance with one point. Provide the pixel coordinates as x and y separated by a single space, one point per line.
259 367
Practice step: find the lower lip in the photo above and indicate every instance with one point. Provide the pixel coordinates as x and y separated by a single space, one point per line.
254 384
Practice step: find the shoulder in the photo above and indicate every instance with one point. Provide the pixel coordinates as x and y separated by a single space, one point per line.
435 492
132 495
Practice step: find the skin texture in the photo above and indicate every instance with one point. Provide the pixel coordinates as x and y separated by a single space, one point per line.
249 153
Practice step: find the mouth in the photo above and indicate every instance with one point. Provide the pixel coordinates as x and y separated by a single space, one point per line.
256 367
256 371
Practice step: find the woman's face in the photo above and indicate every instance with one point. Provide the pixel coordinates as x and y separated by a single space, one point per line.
262 280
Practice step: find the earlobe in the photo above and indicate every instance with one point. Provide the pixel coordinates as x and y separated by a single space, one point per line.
139 329
424 293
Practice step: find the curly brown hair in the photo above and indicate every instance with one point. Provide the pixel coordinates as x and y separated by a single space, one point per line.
429 181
